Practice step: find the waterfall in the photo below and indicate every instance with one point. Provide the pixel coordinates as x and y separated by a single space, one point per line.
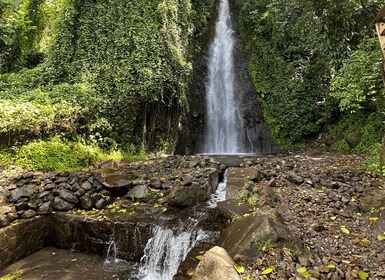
224 128
167 249
219 195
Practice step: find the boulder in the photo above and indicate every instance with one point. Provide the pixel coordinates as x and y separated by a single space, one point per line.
216 265
86 202
242 236
86 185
372 199
294 178
138 192
68 196
45 208
28 214
3 200
21 192
62 205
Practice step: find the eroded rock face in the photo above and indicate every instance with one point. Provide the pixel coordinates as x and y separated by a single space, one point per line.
216 265
23 239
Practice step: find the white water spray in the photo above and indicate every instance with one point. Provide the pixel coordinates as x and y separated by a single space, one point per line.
224 123
167 249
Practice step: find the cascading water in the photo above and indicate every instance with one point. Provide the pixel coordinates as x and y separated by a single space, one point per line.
167 249
224 122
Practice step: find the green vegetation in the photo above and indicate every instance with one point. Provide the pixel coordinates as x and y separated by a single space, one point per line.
112 73
61 155
115 74
14 276
297 49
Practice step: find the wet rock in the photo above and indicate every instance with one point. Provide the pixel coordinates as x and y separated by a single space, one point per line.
62 205
28 214
138 192
45 208
68 196
216 265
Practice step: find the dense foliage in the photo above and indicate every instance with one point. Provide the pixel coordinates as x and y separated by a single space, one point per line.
112 72
297 48
115 74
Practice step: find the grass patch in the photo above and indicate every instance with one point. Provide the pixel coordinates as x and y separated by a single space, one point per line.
57 154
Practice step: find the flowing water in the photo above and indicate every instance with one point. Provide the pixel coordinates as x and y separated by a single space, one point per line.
224 122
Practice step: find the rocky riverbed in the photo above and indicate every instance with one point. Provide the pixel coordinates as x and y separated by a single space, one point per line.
311 215
328 202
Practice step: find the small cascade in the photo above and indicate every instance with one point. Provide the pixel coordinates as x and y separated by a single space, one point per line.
167 249
111 256
220 194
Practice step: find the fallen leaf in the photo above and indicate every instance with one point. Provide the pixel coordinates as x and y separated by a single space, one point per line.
240 269
363 275
267 271
373 219
345 230
331 266
359 214
74 260
346 261
190 272
303 271
333 218
199 257
381 237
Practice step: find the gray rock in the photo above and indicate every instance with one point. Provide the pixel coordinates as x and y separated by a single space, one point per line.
241 236
3 200
86 202
138 192
61 180
43 194
28 214
68 196
24 191
7 209
4 220
216 265
86 185
45 208
74 187
62 205
101 203
5 192
372 199
294 178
